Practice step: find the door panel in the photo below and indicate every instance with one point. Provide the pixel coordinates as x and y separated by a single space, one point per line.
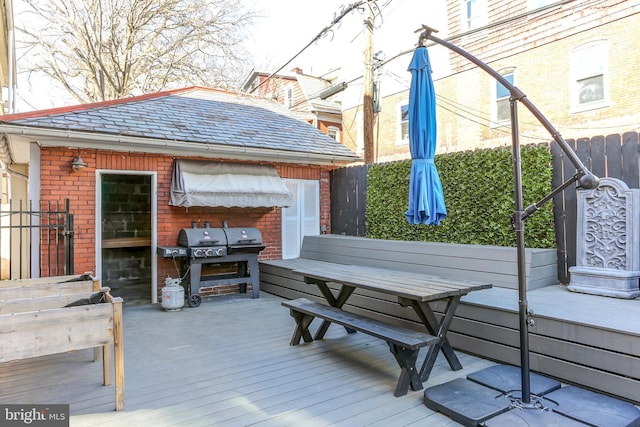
302 218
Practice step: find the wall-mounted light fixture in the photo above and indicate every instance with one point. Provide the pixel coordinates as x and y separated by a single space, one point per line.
77 164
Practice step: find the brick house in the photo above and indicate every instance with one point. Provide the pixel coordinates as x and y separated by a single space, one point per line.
299 92
121 184
573 59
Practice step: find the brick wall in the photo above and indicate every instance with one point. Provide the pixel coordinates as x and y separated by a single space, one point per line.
537 48
59 182
547 85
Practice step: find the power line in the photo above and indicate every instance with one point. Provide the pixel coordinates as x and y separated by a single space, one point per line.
324 31
469 110
479 119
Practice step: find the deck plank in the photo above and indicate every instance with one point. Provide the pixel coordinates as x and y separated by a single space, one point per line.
613 314
228 363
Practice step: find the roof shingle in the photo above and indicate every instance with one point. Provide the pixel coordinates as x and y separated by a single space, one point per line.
194 115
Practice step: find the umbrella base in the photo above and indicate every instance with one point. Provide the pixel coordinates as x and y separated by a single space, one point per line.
508 380
466 402
492 398
596 409
529 418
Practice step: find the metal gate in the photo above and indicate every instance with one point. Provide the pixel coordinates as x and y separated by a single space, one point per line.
35 243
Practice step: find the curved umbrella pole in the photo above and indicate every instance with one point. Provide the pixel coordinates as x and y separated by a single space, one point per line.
583 176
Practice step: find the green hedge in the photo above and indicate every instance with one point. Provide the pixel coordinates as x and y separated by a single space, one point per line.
479 197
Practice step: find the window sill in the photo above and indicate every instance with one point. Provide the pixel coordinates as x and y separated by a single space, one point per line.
576 109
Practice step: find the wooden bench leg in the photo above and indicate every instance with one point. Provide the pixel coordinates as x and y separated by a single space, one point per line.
343 296
429 361
302 327
409 373
439 329
107 362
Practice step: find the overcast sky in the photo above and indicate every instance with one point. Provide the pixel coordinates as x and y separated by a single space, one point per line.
287 26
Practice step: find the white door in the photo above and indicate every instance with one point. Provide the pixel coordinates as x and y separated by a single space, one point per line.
302 218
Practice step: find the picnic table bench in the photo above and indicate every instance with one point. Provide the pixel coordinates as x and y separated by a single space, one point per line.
410 289
404 343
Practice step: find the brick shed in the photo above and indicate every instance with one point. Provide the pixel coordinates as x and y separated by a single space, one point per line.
125 149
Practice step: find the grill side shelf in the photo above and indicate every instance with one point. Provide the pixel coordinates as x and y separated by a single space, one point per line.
172 251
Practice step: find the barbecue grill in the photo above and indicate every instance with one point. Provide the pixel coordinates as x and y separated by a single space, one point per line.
207 245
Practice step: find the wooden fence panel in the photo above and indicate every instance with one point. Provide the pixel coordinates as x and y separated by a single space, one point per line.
348 200
630 159
613 156
613 153
596 157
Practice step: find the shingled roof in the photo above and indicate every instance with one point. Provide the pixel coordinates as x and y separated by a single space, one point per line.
192 121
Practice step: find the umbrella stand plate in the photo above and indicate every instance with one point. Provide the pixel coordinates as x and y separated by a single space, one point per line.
508 380
593 408
492 399
466 402
532 418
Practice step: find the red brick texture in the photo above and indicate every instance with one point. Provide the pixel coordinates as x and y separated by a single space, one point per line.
58 182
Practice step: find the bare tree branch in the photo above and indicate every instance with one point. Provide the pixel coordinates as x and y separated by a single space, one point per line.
108 49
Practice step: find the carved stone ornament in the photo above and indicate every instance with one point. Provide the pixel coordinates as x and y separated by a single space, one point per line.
607 241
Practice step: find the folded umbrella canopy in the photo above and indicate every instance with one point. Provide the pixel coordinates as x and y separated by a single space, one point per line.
426 198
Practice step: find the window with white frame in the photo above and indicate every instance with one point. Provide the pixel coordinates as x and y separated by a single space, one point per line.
475 13
333 132
589 80
288 96
502 95
402 122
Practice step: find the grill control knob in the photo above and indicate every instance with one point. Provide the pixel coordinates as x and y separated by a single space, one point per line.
197 253
208 252
219 252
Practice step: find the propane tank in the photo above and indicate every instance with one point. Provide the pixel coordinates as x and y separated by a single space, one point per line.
172 295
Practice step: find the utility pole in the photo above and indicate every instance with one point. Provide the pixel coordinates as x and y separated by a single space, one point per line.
367 103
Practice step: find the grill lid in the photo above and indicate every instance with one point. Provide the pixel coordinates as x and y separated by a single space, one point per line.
202 237
243 239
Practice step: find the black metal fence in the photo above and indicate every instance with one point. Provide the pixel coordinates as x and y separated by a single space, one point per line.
27 233
613 156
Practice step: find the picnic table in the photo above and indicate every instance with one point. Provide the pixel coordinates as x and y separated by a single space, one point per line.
411 290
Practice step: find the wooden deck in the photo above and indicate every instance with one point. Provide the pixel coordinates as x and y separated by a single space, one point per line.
229 363
588 340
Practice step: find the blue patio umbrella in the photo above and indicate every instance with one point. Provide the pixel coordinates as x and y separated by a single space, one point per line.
426 198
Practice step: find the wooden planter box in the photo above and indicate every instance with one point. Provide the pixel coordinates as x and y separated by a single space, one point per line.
35 322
